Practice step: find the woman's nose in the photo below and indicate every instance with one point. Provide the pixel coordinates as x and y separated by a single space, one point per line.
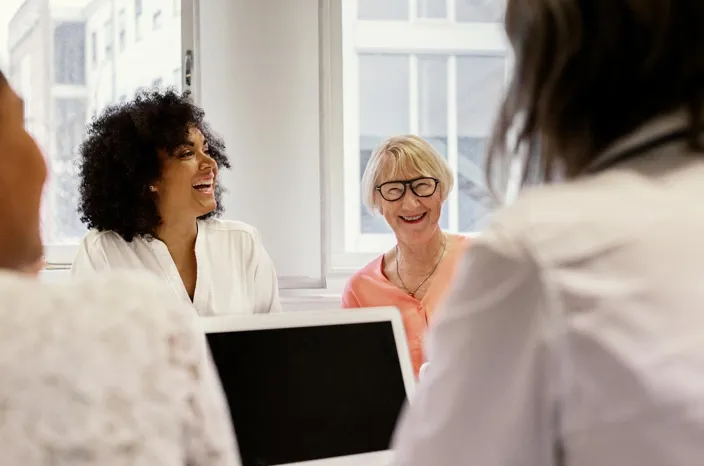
409 199
208 162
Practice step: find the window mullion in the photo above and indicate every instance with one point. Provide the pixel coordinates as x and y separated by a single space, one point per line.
414 102
452 149
450 8
350 107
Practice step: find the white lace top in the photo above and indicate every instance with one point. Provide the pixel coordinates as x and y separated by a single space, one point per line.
106 371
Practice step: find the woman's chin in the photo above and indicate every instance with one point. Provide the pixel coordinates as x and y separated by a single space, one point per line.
411 234
206 209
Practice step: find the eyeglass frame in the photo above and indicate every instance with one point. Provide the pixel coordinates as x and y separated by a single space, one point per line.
408 184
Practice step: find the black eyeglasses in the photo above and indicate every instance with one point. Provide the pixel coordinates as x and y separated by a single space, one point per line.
422 187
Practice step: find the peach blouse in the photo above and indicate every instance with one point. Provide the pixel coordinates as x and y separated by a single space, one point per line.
369 287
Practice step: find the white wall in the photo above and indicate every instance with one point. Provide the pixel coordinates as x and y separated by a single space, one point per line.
260 87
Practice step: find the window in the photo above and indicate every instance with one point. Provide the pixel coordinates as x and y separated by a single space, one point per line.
69 53
62 198
432 9
177 78
107 27
122 34
156 20
426 67
138 19
480 11
61 94
94 48
158 82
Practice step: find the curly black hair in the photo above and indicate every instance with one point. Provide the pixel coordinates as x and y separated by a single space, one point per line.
119 160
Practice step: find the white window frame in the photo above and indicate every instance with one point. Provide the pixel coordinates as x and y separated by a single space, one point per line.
60 256
351 248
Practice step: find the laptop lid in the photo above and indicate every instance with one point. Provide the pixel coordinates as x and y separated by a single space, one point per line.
318 388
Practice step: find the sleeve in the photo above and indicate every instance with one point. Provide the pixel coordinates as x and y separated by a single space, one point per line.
486 395
89 259
266 285
349 300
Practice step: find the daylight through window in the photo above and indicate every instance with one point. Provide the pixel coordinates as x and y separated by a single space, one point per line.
75 74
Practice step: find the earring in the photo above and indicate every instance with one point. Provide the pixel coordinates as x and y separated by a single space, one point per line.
152 188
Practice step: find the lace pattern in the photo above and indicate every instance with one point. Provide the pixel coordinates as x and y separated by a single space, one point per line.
106 371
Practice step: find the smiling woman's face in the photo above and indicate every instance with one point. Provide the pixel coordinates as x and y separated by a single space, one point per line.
21 182
187 186
413 219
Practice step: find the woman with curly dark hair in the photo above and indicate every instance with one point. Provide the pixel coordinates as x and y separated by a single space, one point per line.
149 192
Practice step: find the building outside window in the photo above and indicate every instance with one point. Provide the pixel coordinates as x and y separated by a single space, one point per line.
94 49
107 27
138 19
156 20
62 94
122 30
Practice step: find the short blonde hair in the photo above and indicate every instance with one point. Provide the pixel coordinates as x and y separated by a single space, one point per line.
400 157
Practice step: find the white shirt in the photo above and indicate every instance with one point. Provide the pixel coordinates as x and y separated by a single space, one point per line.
576 324
235 274
110 370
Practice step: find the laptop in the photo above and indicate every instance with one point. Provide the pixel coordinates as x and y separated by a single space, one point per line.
313 388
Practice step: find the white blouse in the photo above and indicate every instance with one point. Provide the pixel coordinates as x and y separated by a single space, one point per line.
235 274
574 334
110 370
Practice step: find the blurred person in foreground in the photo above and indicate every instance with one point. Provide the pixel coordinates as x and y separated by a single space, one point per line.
108 370
406 180
573 333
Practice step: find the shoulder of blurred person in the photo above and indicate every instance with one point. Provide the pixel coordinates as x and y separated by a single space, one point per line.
598 211
117 355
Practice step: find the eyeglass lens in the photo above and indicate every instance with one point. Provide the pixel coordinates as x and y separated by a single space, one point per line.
421 187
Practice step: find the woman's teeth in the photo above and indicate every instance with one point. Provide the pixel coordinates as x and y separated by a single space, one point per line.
413 219
204 187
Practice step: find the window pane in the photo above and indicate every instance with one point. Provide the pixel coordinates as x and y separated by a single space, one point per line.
90 61
432 8
384 105
432 108
69 53
480 83
480 11
383 9
122 28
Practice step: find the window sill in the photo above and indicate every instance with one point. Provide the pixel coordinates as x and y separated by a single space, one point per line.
291 300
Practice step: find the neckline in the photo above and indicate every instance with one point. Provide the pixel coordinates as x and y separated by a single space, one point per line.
456 241
169 269
660 127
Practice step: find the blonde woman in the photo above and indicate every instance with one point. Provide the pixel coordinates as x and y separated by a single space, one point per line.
407 181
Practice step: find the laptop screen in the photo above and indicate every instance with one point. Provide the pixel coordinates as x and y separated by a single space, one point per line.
307 393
